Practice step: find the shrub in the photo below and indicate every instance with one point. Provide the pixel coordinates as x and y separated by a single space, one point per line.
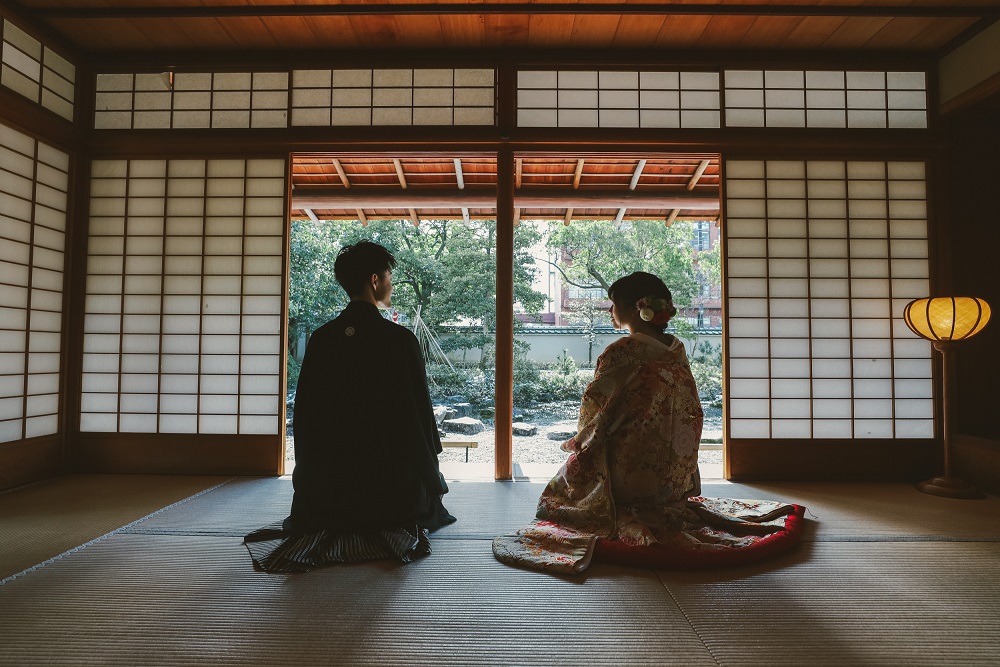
292 368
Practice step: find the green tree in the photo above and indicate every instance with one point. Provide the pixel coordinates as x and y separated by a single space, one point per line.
446 267
468 290
314 296
595 253
590 313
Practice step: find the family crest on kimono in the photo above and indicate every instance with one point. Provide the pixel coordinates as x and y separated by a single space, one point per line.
630 486
361 491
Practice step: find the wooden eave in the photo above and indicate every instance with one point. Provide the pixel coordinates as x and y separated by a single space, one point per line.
555 187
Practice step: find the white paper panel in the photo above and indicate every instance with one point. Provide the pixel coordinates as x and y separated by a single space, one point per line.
816 252
32 203
192 298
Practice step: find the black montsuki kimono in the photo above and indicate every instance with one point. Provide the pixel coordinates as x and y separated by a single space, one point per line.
366 478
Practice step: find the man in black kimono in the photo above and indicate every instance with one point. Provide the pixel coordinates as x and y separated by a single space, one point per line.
366 478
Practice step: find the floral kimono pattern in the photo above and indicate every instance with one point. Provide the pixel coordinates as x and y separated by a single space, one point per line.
632 468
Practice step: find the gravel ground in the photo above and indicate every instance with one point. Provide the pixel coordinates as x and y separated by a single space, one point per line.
539 448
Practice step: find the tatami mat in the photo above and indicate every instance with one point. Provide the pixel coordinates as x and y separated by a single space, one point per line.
837 511
881 512
900 603
43 520
193 600
483 509
887 576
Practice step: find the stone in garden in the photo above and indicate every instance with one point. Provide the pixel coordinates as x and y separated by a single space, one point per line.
560 434
442 412
520 428
466 425
455 399
463 409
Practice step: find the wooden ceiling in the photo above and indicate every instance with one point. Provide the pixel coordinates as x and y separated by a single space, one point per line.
906 26
552 187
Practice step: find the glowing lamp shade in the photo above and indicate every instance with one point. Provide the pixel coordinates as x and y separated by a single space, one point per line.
947 318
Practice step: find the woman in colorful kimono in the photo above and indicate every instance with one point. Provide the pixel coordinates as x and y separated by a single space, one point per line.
633 464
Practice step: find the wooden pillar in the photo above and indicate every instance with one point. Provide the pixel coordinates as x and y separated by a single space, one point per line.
504 403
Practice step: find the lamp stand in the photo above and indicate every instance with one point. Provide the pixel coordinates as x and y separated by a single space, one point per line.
946 485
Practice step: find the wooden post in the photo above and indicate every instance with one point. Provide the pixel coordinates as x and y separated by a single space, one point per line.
504 414
504 402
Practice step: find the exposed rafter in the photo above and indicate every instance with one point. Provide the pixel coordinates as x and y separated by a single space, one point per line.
699 172
340 172
399 172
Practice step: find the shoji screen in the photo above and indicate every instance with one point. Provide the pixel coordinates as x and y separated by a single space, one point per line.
822 257
35 71
33 182
184 297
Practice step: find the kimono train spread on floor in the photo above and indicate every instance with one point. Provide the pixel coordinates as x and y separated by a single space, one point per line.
631 479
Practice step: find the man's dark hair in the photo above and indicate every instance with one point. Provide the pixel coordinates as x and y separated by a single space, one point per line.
640 285
357 263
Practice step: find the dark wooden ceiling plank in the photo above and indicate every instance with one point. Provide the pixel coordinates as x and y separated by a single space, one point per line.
855 32
120 33
302 31
935 10
813 30
594 31
196 35
336 32
638 31
505 30
462 31
725 30
250 33
767 31
898 32
376 30
940 33
545 30
681 32
415 31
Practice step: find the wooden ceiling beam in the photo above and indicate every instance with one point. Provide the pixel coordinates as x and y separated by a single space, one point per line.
399 172
578 174
343 174
320 197
132 12
699 172
637 174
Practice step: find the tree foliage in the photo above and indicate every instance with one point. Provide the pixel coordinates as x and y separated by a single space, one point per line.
595 253
447 268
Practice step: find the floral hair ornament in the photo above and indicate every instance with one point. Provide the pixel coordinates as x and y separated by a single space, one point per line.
654 309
